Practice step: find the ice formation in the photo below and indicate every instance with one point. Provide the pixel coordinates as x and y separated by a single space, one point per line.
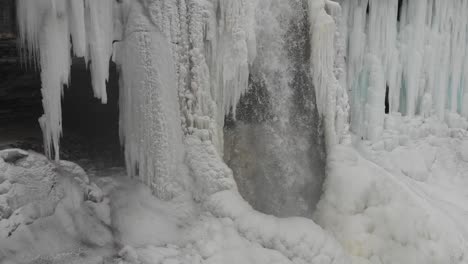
185 64
209 68
416 50
150 129
45 29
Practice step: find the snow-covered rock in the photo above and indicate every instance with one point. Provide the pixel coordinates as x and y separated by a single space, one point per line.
42 201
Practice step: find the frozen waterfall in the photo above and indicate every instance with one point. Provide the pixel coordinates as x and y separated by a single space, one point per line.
186 64
246 122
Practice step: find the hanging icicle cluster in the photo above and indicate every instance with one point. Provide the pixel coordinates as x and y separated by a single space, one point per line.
45 27
418 50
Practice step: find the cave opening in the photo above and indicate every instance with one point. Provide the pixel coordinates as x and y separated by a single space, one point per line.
90 128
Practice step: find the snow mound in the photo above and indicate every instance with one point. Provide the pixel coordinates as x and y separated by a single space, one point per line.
299 239
47 202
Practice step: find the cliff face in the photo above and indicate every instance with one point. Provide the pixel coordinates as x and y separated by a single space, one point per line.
20 96
7 19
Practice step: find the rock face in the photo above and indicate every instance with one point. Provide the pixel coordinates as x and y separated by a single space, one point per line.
7 19
20 95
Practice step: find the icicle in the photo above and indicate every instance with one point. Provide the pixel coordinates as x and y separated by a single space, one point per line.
323 33
99 27
237 49
45 27
374 109
77 27
44 30
30 14
342 101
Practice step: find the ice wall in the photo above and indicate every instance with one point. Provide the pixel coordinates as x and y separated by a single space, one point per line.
416 49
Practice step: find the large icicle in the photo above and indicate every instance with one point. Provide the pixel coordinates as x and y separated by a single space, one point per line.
325 66
78 28
100 30
44 31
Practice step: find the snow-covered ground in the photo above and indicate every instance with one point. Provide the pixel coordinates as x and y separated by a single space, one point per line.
408 204
402 204
54 213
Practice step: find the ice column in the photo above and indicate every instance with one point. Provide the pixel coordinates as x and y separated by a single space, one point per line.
150 127
44 31
327 67
100 30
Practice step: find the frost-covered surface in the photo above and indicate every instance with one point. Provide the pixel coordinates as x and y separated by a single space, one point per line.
150 127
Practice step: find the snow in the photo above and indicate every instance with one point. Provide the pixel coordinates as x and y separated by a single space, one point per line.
404 205
130 225
46 202
366 193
